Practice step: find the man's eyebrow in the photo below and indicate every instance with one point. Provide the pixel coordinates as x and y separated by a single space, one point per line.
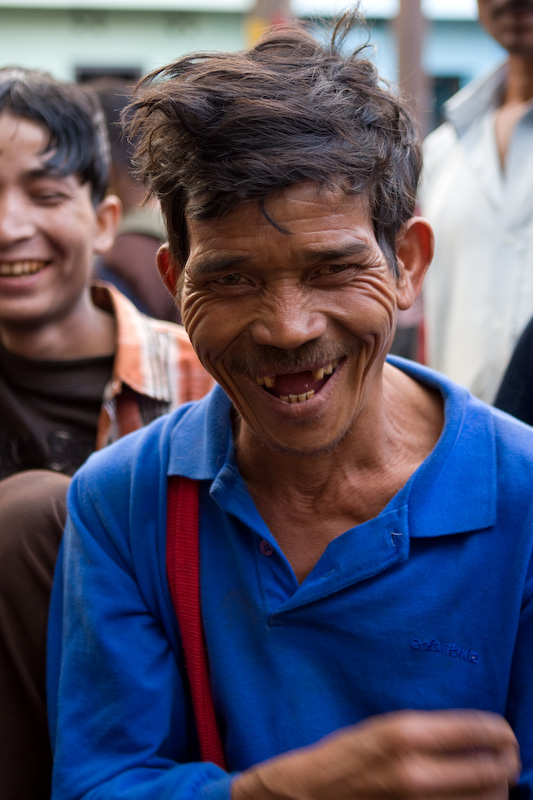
347 251
44 172
205 267
220 263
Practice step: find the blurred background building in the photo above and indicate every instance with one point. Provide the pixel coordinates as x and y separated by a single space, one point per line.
433 46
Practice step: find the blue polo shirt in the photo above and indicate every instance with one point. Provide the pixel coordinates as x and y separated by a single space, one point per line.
427 606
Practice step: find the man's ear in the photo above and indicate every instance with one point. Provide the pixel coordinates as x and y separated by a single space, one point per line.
108 216
414 252
169 269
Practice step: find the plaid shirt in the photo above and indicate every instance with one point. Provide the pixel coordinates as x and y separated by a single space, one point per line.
155 368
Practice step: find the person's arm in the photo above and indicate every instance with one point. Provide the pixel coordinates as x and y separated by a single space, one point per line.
443 754
119 714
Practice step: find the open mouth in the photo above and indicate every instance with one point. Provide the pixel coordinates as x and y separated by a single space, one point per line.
13 269
298 387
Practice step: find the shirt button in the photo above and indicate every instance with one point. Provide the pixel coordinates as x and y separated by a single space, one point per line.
265 547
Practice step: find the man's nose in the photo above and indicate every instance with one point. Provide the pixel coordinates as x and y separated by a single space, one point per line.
15 219
287 319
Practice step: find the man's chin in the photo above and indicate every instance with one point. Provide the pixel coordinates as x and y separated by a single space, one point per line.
300 447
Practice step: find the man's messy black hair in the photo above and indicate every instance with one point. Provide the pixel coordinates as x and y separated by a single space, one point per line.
214 130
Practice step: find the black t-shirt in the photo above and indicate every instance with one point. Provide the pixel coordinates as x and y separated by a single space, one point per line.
515 394
49 411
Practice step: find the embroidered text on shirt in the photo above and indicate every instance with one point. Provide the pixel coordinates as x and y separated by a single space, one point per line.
452 650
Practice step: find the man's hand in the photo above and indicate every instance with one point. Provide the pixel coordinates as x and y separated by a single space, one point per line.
408 754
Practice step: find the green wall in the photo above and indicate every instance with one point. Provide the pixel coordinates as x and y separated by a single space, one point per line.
62 41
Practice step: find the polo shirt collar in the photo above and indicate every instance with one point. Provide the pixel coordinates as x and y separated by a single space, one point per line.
455 489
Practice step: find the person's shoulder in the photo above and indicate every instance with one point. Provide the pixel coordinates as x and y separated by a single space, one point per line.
172 330
156 356
511 433
129 318
438 151
483 459
120 493
144 330
509 449
437 147
442 138
117 466
474 416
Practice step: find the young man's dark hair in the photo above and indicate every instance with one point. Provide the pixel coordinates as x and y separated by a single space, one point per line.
73 118
222 128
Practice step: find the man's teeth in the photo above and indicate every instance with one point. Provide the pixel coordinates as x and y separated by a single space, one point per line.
268 382
318 374
297 398
15 268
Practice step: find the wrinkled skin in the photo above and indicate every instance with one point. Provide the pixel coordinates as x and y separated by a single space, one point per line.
257 302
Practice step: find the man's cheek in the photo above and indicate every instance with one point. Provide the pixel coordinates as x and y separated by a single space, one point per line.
194 313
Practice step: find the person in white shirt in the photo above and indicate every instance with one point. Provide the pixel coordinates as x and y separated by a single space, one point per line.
478 195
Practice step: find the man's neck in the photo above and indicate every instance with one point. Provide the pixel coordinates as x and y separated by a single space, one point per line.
519 87
517 98
86 332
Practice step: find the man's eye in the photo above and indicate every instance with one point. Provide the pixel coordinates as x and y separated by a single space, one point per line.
49 198
332 269
233 279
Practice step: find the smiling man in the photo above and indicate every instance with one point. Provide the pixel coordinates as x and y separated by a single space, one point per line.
78 366
364 524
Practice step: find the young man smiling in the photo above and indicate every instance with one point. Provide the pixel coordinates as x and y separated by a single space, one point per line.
350 507
79 367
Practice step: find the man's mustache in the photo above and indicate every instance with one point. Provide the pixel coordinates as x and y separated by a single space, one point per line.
268 360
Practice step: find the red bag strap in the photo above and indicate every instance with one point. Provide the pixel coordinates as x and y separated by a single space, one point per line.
183 571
